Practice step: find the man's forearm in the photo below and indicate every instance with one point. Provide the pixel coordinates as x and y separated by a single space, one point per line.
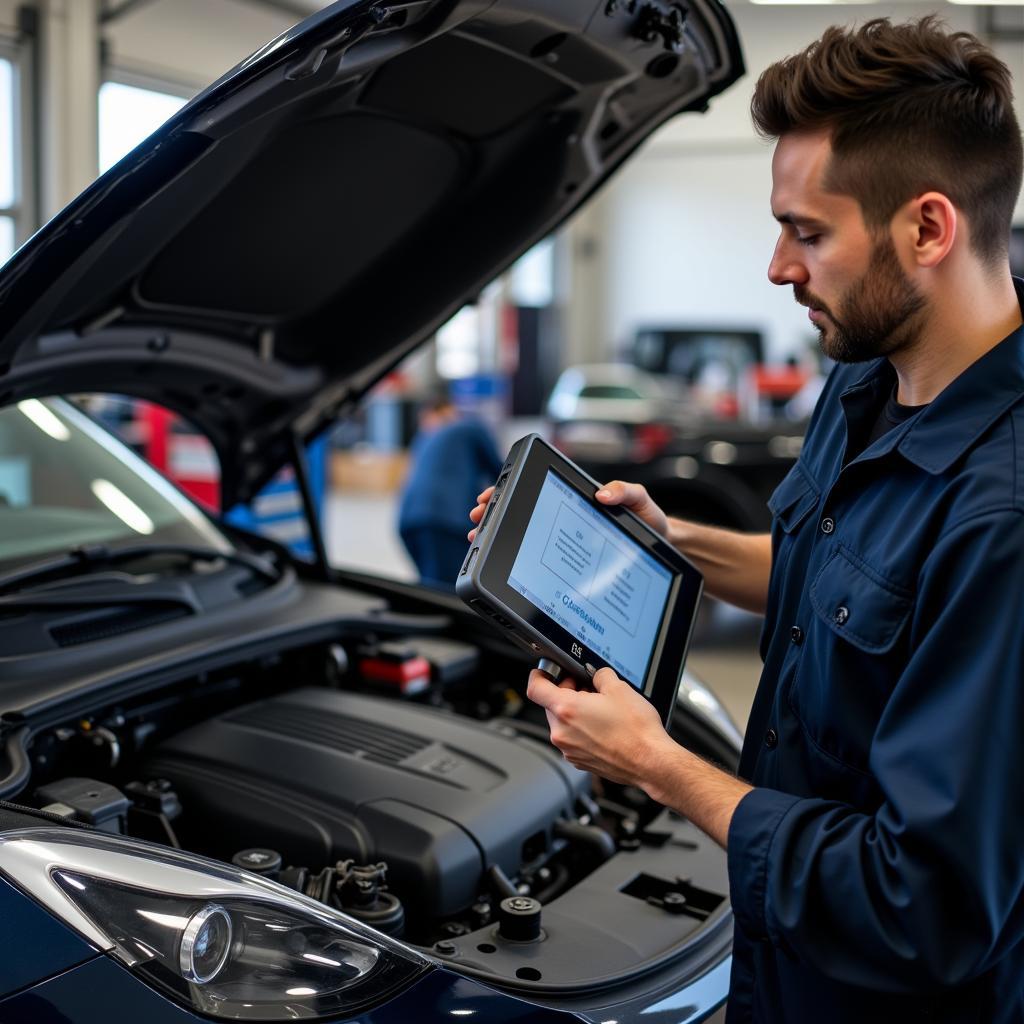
699 791
735 565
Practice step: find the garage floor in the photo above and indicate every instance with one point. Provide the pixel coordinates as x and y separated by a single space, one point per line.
361 534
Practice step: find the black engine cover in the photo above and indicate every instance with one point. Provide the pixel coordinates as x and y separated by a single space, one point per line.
322 775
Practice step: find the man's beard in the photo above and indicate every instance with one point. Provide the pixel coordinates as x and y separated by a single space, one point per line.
880 313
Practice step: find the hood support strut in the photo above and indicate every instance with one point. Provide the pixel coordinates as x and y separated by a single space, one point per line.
301 466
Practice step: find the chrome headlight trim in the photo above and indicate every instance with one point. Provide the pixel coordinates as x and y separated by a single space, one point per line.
187 950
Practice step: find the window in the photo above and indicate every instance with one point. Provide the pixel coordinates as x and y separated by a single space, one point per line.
65 483
127 115
609 391
8 176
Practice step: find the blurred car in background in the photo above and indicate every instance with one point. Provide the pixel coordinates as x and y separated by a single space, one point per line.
612 392
614 412
620 422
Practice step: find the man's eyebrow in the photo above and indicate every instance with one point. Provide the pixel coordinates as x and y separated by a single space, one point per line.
798 220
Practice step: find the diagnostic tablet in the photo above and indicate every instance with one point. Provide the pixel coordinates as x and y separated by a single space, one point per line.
580 584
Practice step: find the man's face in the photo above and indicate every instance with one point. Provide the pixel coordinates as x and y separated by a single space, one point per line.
859 297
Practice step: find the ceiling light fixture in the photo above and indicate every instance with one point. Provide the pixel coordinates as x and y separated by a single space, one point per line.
122 506
45 420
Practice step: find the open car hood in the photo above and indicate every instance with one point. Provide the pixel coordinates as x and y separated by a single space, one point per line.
297 228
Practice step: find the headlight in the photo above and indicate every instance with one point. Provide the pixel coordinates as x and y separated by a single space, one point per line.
696 697
221 941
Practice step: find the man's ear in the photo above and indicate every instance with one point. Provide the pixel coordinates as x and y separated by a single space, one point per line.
927 228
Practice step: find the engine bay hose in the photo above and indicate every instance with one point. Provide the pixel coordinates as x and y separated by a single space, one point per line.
599 841
500 882
19 769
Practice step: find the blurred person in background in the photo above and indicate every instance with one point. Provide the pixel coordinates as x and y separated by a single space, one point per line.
452 458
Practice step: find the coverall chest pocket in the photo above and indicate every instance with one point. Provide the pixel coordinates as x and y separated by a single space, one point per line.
794 499
851 658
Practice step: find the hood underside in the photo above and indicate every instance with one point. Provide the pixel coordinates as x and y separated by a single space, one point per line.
297 228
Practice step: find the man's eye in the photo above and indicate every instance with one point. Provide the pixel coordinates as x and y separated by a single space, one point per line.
808 239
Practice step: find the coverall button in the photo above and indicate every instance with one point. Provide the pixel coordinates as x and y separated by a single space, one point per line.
771 739
796 635
828 525
841 615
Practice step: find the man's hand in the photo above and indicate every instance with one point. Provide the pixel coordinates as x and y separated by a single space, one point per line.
477 513
613 732
632 496
638 501
736 566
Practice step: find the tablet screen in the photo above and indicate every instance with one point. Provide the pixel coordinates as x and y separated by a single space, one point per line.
592 579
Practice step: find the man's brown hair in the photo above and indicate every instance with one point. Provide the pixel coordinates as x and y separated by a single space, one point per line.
911 108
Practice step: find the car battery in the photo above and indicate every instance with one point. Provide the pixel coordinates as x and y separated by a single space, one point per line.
394 665
410 664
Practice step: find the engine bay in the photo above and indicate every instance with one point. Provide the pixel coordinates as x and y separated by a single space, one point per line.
405 780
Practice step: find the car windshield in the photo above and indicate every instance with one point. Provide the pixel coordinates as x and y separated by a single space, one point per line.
609 391
66 482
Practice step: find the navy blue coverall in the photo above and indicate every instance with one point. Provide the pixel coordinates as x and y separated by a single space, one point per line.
449 466
877 870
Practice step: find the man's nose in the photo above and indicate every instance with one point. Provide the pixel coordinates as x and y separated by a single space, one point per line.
786 267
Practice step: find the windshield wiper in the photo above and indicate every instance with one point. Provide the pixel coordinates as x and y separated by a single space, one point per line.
103 591
93 555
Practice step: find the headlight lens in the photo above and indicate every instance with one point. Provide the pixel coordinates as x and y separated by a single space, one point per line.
205 944
220 941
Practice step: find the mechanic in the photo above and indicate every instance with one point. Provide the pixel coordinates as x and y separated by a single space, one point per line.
450 458
876 859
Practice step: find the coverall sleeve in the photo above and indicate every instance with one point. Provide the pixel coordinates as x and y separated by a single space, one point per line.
927 891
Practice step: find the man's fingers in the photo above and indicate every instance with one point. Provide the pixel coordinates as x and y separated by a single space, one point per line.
605 679
477 513
618 492
541 690
637 500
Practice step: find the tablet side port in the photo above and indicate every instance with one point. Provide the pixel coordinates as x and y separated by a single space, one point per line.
492 504
490 509
470 559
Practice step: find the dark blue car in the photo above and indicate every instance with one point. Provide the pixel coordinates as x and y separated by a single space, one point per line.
219 798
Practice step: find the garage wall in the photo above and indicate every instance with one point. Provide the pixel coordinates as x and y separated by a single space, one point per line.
192 42
8 17
689 230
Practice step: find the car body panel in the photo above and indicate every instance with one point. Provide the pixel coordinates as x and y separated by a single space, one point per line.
283 617
103 991
37 945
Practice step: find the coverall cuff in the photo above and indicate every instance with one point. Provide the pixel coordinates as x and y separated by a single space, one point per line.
751 832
